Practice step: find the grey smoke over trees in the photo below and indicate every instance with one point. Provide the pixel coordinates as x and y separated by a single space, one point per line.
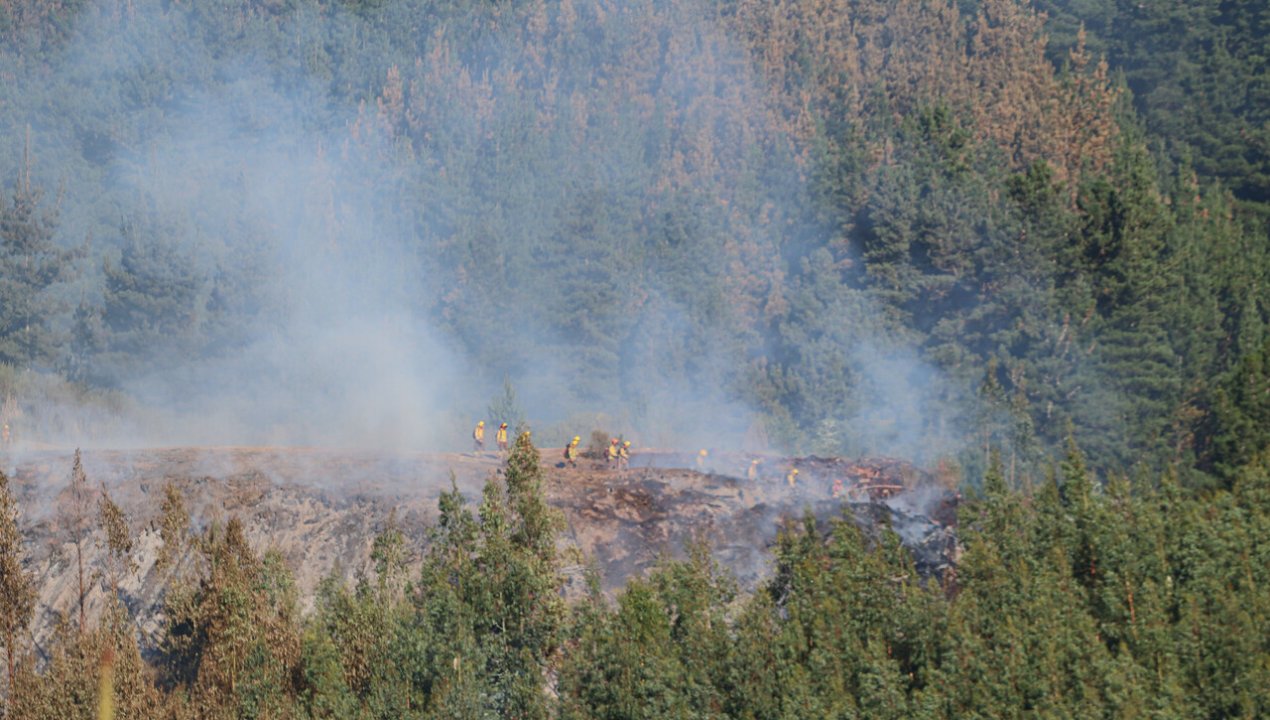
859 227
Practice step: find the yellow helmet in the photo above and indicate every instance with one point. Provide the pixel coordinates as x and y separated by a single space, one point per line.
503 425
576 439
794 471
481 423
627 443
754 461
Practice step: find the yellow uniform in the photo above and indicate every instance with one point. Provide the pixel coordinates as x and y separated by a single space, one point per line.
501 436
571 452
612 452
752 473
478 436
792 477
624 455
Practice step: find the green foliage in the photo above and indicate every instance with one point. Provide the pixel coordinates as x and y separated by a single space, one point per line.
232 637
119 542
30 264
174 526
473 636
75 521
17 587
505 409
750 200
84 669
1196 72
770 200
1130 598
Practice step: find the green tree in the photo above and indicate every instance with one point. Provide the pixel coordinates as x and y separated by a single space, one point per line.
31 263
89 675
119 543
505 409
17 588
174 526
75 521
154 305
232 637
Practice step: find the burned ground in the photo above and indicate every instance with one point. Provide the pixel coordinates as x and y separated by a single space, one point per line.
321 509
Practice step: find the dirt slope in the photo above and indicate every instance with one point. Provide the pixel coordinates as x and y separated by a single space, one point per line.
322 508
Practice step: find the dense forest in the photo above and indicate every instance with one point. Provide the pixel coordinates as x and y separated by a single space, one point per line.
910 228
1028 241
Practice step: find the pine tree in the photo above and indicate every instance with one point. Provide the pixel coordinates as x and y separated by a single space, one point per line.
75 521
30 264
232 637
174 526
17 588
119 542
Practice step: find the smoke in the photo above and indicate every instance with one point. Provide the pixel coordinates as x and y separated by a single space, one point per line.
586 201
906 407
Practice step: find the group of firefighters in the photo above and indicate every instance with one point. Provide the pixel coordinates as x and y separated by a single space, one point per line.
618 453
500 437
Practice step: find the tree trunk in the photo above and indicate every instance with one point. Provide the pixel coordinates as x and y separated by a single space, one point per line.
8 651
79 561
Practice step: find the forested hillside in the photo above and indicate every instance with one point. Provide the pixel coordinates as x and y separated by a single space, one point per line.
1198 73
902 227
1023 243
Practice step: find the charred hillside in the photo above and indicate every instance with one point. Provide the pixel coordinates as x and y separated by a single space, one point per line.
322 509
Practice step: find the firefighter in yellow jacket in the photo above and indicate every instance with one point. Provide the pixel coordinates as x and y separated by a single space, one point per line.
501 437
571 452
478 436
792 477
612 453
624 455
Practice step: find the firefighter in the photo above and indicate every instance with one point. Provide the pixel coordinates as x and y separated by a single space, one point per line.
624 455
501 437
612 453
571 452
478 436
701 459
752 473
792 477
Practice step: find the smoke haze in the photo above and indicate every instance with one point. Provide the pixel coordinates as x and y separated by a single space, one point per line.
545 200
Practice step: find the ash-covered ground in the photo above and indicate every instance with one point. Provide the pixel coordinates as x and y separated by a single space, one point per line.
322 508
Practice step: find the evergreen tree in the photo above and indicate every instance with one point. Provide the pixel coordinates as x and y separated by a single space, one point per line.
75 521
232 636
17 587
31 263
